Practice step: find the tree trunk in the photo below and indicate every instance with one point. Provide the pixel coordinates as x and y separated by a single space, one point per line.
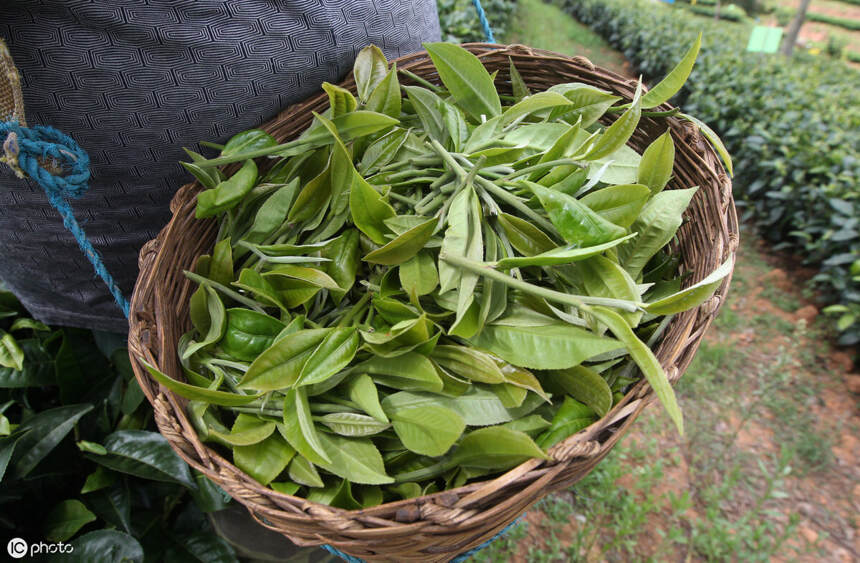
717 10
794 29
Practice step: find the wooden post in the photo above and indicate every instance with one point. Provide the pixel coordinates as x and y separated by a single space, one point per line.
794 29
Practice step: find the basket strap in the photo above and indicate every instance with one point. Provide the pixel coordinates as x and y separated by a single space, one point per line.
485 23
50 158
458 559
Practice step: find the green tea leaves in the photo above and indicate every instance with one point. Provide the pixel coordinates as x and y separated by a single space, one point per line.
645 359
250 140
356 459
299 430
431 284
655 169
673 82
466 79
427 430
693 296
369 70
369 210
405 246
228 193
496 448
280 366
334 353
617 134
265 460
411 372
656 225
554 346
575 221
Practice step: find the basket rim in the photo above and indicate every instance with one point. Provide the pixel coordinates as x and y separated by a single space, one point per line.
592 443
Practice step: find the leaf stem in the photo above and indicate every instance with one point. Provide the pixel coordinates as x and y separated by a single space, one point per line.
516 203
401 198
265 151
581 302
232 294
211 145
279 414
422 81
543 166
426 472
449 160
669 113
355 310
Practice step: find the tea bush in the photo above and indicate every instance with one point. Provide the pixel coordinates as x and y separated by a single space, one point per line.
731 12
847 23
792 126
81 461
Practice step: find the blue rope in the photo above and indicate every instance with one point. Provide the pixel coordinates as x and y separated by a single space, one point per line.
459 559
485 23
28 145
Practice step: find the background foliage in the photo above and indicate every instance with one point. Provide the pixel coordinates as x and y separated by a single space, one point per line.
460 22
77 441
792 126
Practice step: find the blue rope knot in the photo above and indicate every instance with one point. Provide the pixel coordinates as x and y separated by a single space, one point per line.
35 147
62 168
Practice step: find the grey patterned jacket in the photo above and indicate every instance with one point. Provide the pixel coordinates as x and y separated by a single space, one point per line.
133 81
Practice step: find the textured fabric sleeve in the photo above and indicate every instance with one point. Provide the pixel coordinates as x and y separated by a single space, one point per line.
135 81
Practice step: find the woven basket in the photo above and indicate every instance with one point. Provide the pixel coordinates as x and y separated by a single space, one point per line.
440 526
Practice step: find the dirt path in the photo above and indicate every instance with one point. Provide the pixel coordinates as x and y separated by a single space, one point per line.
768 469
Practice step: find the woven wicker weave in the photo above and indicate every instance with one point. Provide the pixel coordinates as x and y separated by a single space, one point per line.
11 98
439 526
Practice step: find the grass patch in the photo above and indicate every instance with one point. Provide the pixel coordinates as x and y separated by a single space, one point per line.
503 548
770 326
714 367
546 26
751 534
785 301
728 320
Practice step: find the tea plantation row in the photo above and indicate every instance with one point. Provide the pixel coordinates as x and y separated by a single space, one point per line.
792 126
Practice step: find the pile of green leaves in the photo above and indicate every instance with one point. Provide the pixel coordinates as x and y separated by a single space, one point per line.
793 126
431 284
77 441
459 19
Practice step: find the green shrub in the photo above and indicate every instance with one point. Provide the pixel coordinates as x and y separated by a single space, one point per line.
855 2
460 23
730 12
852 56
80 458
793 127
748 6
784 15
836 46
847 23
